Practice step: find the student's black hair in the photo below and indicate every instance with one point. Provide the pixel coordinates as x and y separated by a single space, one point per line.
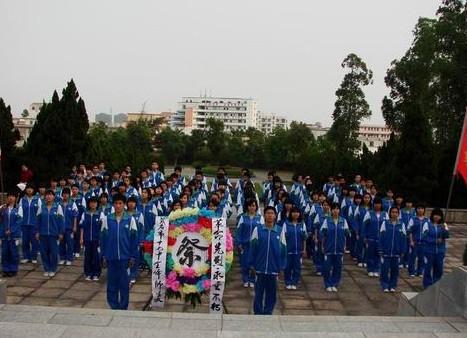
29 186
148 190
358 196
247 174
288 201
390 210
92 199
104 194
50 192
119 197
177 201
377 200
222 182
321 193
295 177
398 195
270 208
66 190
199 172
11 193
420 205
132 199
296 209
178 168
271 173
74 185
328 202
249 202
173 175
42 185
439 212
335 205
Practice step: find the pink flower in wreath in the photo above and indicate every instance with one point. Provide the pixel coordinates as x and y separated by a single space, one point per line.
172 227
188 272
171 282
207 284
192 227
229 242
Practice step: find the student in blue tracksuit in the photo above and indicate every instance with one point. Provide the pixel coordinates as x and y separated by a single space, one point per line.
405 214
149 209
11 218
70 220
322 213
392 243
119 245
90 225
284 214
268 256
361 248
80 202
247 222
295 235
30 203
371 226
354 225
49 231
334 231
139 219
414 230
388 201
434 235
104 206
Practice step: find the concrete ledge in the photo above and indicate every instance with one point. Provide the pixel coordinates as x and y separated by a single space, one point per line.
3 287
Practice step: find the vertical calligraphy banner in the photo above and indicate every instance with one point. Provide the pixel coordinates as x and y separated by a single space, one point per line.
159 254
218 253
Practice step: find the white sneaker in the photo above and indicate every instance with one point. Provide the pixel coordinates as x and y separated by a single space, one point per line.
252 285
370 274
412 276
68 263
360 265
329 289
95 279
245 285
347 251
77 255
61 262
294 287
133 281
88 278
45 274
364 265
34 261
24 261
375 274
385 290
288 287
51 274
401 266
319 273
392 290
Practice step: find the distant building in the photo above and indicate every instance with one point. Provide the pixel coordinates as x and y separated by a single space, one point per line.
267 122
105 118
317 129
34 109
236 113
119 120
373 136
24 126
166 117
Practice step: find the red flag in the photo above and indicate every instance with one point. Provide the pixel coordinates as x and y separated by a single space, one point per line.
461 167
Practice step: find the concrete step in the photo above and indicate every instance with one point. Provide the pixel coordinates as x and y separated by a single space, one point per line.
38 321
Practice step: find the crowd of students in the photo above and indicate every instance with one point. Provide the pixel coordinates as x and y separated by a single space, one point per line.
110 214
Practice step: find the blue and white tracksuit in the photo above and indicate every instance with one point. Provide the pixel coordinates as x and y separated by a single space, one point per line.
318 253
268 256
333 233
49 226
295 236
10 233
30 244
414 228
406 215
139 218
90 224
371 226
245 226
70 212
434 246
119 245
80 202
392 245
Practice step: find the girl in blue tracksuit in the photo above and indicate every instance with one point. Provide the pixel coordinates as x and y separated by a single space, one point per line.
149 210
49 231
414 230
322 213
119 245
361 211
267 257
11 218
90 225
406 214
247 222
284 214
70 220
392 243
434 235
354 225
371 226
139 219
295 235
30 203
334 231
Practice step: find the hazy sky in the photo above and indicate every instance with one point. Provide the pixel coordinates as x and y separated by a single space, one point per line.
286 54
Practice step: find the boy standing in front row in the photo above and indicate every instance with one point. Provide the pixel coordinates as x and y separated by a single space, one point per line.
10 232
267 257
119 244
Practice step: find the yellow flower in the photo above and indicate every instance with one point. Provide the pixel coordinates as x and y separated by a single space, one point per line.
229 257
177 268
187 212
202 270
189 288
206 233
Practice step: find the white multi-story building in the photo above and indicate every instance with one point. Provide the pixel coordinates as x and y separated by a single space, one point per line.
193 111
373 136
267 122
317 129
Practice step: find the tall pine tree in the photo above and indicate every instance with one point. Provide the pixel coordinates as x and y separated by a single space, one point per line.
8 137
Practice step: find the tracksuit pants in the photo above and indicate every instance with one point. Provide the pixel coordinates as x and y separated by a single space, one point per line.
265 294
293 269
29 243
92 262
10 256
67 245
389 272
416 256
246 276
118 284
372 256
49 252
434 264
318 257
332 269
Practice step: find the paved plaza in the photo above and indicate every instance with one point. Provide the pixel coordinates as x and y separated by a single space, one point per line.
358 294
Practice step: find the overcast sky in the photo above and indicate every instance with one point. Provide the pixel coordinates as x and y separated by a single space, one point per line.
286 54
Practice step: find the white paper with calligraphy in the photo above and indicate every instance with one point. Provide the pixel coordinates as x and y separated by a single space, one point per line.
218 253
161 230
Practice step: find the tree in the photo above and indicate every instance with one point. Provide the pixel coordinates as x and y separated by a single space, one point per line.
172 144
350 108
8 137
215 137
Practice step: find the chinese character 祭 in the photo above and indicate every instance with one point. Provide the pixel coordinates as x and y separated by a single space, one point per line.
188 256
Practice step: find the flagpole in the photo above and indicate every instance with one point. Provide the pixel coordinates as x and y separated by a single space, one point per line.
454 172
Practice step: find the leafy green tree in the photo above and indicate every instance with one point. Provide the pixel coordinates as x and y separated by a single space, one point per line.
172 145
215 137
8 137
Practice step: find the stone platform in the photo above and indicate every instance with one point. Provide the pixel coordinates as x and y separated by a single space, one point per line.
36 321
